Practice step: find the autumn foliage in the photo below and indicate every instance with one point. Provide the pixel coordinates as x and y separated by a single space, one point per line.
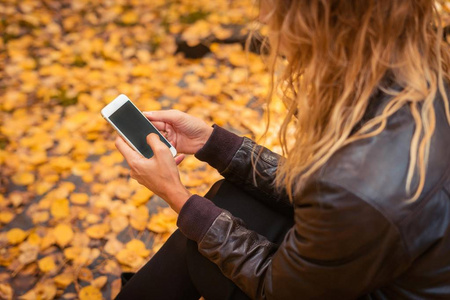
71 219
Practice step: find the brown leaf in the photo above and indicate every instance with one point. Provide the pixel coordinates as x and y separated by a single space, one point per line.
85 274
115 288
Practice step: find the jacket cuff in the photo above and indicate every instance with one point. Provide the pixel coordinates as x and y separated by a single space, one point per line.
196 216
220 148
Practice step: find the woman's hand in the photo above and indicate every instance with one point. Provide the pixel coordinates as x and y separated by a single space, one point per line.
186 133
159 173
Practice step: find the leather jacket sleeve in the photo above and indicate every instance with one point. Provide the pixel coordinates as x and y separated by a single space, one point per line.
328 254
235 157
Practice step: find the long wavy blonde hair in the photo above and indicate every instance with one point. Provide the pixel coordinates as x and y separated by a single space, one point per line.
340 52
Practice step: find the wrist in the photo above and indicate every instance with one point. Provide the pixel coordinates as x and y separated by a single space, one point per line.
178 198
203 138
207 134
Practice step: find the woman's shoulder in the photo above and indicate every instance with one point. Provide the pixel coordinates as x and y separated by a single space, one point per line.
375 169
378 166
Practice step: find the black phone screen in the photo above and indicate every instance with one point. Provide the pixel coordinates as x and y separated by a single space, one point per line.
129 120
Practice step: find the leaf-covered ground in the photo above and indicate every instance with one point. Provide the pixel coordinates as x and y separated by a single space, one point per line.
71 219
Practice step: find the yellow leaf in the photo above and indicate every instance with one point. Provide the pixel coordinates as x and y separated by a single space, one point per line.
6 217
123 191
138 247
212 88
43 290
97 231
119 223
90 293
139 218
130 17
40 217
24 178
81 168
87 178
143 55
199 30
42 187
173 91
8 255
47 241
238 59
61 163
60 208
46 264
72 252
222 33
29 253
141 196
99 282
113 246
67 186
63 234
129 258
37 158
6 292
15 236
163 222
63 280
34 239
92 218
79 198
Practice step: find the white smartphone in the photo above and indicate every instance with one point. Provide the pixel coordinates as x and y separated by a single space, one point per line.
132 125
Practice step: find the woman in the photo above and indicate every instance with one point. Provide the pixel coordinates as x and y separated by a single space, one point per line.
359 206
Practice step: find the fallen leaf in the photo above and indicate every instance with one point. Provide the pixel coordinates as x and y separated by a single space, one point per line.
29 253
98 231
85 274
90 293
79 198
6 217
60 208
140 218
129 258
16 236
116 286
138 247
99 282
63 280
63 234
24 178
6 292
47 264
119 223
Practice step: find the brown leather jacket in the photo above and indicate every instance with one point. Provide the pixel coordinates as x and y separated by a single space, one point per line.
354 236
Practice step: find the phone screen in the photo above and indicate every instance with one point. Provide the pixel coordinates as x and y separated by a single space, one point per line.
129 120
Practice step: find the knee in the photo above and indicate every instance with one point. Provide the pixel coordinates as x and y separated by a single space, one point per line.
213 190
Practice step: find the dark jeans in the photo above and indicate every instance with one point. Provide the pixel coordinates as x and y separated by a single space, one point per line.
179 271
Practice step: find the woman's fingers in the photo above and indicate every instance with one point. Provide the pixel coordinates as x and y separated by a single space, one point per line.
157 146
167 116
127 152
161 126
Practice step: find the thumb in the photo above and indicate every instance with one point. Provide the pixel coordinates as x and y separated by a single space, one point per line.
179 159
155 143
